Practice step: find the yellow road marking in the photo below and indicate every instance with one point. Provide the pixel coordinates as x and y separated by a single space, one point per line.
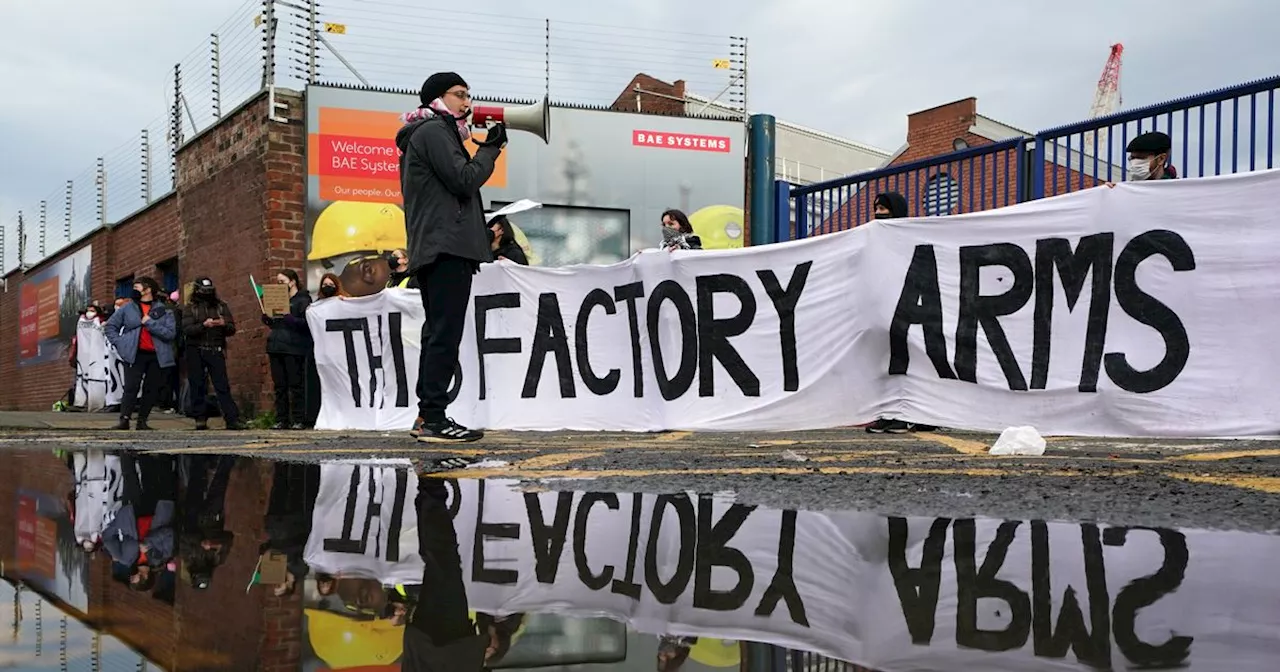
749 471
556 459
1267 484
959 445
229 449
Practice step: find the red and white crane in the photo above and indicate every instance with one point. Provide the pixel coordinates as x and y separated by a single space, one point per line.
1106 100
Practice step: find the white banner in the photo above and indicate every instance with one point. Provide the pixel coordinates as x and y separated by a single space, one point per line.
99 492
365 523
1133 311
92 366
888 593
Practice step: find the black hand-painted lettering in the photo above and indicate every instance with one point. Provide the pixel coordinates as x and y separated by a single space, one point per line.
580 526
918 588
919 303
669 591
492 346
974 584
785 302
714 334
1092 645
985 311
627 584
349 326
1146 591
630 293
675 386
395 322
714 551
397 515
1150 311
375 362
1092 255
347 543
549 337
548 540
484 531
598 386
783 585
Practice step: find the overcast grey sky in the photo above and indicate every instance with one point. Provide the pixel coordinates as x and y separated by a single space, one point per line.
80 78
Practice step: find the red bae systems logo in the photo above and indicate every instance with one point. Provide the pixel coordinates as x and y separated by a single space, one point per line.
697 143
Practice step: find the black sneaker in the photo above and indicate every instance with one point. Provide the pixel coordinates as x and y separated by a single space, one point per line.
297 426
142 426
922 428
122 424
887 426
202 425
447 431
279 427
444 464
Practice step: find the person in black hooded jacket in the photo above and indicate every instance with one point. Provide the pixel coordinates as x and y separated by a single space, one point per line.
288 347
444 218
503 241
892 205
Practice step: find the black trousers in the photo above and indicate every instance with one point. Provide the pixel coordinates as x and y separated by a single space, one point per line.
289 374
145 374
213 363
446 291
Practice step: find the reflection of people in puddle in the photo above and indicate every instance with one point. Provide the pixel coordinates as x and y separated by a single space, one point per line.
205 542
140 539
673 651
441 637
288 521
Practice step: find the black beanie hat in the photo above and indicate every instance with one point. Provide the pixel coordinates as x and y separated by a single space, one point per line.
437 84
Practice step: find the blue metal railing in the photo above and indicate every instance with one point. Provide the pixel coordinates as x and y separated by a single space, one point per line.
1214 133
970 180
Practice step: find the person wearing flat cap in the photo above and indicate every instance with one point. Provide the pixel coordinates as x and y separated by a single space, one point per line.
1149 157
444 218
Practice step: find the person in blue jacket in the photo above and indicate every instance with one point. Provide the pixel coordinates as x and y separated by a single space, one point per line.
142 332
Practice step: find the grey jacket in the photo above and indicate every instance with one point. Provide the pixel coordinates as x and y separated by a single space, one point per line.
122 542
444 213
124 327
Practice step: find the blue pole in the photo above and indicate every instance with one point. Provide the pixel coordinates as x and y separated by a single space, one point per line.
760 176
781 210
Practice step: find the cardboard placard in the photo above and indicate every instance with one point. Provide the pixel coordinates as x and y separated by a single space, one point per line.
275 299
187 290
273 569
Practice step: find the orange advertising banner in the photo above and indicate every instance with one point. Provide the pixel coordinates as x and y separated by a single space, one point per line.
355 157
48 295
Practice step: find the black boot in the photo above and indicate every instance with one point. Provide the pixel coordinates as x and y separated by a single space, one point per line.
142 425
123 423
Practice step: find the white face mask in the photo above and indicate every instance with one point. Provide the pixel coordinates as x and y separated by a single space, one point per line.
1139 169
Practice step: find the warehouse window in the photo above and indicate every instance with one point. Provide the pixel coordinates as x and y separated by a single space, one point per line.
941 195
562 236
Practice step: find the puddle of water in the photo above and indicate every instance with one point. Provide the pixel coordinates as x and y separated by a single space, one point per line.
381 569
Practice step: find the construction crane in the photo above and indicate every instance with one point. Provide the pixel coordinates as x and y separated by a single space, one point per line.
1106 100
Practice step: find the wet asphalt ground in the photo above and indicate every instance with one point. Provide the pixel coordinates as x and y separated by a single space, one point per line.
1174 483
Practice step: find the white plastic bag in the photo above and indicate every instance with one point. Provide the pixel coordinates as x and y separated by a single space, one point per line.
1019 441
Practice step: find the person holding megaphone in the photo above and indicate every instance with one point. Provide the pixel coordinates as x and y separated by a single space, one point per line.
448 238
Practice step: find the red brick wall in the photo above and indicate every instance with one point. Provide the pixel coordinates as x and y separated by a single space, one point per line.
237 210
655 96
991 181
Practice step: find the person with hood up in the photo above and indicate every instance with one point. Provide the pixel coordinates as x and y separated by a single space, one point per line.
892 205
207 323
142 331
444 218
503 241
288 347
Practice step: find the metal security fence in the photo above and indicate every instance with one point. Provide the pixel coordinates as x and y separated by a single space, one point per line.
1220 132
974 179
771 658
388 44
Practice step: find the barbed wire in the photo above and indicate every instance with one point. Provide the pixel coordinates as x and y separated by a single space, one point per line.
502 56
